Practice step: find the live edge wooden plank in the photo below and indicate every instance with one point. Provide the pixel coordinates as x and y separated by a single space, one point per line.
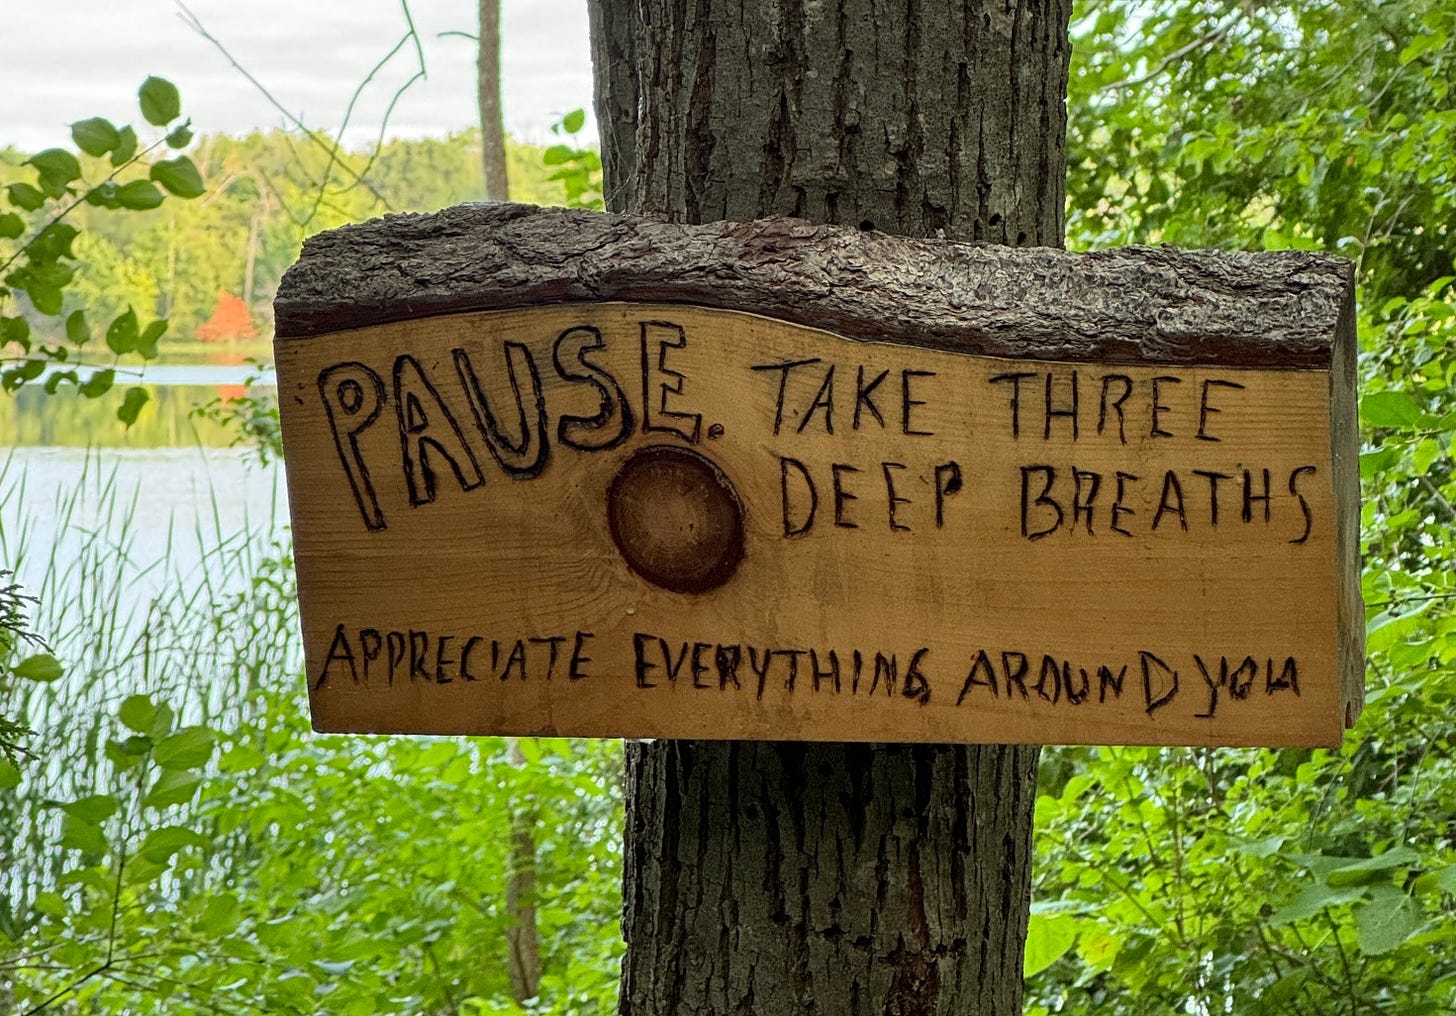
1132 305
1002 498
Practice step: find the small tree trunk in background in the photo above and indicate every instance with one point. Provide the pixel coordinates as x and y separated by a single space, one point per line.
250 268
492 120
169 298
831 878
523 941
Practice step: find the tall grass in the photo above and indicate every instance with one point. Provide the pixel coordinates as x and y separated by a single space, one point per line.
198 610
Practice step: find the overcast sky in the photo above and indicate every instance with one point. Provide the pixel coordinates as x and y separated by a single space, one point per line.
311 54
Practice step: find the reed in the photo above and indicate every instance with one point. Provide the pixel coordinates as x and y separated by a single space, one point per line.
195 607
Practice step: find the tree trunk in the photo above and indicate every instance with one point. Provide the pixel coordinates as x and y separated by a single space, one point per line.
250 267
492 122
523 939
831 878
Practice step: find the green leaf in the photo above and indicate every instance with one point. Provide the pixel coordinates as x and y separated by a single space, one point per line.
180 176
143 870
15 329
1372 869
1276 998
46 299
139 195
53 243
181 137
1440 880
78 834
51 904
132 405
137 713
1391 408
95 136
174 786
221 916
98 384
1098 951
55 169
11 379
160 102
1310 900
103 195
41 667
121 334
1048 937
162 722
1385 922
11 226
1427 452
121 754
24 196
56 161
1422 43
292 992
189 748
138 744
27 371
45 271
573 121
93 878
77 331
241 758
160 844
557 154
147 341
1267 847
54 381
9 775
95 809
529 748
125 148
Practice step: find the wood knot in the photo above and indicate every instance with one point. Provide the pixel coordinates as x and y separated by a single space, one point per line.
676 519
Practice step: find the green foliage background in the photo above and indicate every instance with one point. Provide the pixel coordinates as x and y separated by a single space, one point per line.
1295 881
182 844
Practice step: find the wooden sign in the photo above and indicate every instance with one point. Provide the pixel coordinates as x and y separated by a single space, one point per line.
565 473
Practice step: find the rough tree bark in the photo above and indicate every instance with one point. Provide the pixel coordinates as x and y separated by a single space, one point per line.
831 878
492 124
1126 305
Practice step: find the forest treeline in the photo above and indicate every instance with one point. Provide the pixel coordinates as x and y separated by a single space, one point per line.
212 265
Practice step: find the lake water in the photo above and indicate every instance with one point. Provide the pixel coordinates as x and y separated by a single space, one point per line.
145 549
167 488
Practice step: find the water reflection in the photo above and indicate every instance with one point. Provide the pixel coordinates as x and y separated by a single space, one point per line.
30 417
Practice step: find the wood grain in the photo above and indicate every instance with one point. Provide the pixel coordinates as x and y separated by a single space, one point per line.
936 547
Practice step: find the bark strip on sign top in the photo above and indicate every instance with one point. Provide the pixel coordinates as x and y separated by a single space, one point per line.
1131 305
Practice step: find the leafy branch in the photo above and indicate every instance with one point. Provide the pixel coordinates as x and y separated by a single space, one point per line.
81 199
42 267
